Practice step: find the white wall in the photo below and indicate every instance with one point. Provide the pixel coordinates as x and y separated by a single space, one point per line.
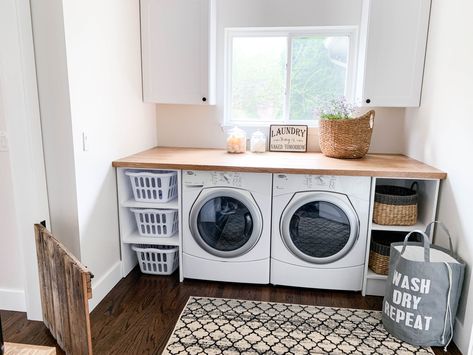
440 133
53 87
89 74
104 70
200 126
11 263
174 120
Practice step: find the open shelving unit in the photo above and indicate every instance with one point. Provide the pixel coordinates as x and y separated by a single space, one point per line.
129 234
428 190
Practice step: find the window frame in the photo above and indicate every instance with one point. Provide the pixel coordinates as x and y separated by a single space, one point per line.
290 32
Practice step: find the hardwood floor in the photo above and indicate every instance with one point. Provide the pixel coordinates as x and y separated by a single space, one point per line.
139 314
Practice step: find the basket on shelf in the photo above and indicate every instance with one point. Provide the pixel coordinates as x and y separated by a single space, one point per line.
153 186
156 222
395 205
157 259
380 249
346 138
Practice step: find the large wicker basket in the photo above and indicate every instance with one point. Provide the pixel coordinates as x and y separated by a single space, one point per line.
380 248
346 139
395 205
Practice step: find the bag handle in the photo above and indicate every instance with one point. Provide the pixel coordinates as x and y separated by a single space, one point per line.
426 244
442 226
415 186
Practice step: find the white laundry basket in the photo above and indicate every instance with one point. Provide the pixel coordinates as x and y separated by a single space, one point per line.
153 186
157 259
156 222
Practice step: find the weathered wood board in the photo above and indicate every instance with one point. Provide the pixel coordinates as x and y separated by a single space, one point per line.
65 290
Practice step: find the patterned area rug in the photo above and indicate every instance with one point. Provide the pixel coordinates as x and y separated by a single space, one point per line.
226 326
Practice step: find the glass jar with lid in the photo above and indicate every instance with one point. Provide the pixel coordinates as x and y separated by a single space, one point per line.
236 140
258 142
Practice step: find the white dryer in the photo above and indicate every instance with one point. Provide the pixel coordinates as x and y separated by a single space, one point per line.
226 226
319 231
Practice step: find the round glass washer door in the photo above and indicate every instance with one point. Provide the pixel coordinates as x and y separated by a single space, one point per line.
319 227
226 222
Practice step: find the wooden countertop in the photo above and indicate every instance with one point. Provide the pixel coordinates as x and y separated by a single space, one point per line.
379 165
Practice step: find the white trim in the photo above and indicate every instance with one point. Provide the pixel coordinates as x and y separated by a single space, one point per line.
104 285
12 300
290 32
26 149
287 88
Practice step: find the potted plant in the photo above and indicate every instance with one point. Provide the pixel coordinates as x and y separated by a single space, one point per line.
343 134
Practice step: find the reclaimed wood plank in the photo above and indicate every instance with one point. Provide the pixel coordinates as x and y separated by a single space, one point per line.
66 289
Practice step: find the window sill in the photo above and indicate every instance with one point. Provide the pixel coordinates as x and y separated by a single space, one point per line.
253 126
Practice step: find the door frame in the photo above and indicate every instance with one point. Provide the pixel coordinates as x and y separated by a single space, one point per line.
19 95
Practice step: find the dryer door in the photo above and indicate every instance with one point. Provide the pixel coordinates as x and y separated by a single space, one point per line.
319 227
226 222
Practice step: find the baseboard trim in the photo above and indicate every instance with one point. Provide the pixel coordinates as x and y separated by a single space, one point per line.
104 285
12 300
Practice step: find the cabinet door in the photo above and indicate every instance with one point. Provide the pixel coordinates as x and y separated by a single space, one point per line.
392 52
176 46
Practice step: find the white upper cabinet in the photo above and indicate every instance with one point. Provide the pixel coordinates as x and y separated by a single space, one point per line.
393 37
178 47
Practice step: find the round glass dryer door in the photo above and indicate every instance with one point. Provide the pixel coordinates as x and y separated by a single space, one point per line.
225 222
319 227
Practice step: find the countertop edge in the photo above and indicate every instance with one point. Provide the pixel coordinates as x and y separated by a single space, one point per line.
142 161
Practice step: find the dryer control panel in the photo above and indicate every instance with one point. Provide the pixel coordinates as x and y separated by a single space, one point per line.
306 182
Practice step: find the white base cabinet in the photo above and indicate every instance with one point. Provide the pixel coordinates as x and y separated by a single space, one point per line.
428 190
129 234
373 284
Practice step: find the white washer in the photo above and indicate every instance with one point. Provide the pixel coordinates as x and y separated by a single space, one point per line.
226 226
319 232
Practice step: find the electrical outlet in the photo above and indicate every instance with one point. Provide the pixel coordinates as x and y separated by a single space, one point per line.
3 141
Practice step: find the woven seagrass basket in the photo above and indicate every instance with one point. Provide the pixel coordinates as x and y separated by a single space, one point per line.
348 138
380 248
395 205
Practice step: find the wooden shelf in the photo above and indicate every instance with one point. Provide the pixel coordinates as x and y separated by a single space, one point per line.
374 276
379 227
136 238
171 205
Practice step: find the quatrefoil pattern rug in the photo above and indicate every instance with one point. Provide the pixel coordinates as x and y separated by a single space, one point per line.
227 326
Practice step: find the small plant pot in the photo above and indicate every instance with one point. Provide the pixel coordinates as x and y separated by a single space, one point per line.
346 138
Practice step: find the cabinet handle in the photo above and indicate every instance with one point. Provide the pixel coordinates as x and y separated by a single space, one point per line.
368 101
204 99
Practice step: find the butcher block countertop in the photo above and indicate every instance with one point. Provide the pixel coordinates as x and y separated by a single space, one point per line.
379 165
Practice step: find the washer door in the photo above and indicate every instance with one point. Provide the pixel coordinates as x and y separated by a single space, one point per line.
319 227
226 222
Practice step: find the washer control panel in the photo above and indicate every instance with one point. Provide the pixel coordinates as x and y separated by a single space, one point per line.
211 178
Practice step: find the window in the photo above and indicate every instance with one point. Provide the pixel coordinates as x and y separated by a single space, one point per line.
283 75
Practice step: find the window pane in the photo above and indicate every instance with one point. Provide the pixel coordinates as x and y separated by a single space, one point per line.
258 78
318 73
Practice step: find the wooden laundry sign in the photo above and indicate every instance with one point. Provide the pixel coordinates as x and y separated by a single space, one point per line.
288 138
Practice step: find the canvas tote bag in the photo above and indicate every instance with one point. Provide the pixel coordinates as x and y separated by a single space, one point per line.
422 291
